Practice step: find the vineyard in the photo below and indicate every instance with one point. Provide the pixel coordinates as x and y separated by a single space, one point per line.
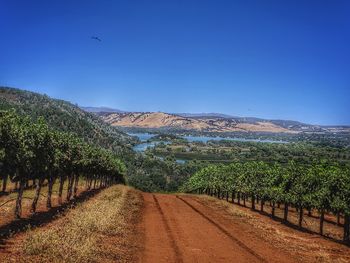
319 188
33 155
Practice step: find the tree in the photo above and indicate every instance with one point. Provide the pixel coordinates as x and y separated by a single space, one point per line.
33 151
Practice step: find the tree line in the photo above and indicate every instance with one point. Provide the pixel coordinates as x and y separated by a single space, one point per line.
321 186
32 151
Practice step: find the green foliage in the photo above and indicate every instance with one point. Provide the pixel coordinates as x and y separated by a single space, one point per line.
319 186
66 117
151 174
226 151
30 150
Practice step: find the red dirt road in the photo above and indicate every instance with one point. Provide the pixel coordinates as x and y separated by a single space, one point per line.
180 229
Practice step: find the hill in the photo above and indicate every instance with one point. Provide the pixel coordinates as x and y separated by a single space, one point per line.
65 116
212 122
198 123
203 115
100 109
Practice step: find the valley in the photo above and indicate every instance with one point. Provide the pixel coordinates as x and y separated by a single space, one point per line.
174 131
113 188
210 123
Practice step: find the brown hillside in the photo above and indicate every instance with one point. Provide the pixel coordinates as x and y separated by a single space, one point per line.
165 120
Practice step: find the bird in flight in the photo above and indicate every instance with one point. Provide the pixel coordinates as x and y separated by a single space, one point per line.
96 38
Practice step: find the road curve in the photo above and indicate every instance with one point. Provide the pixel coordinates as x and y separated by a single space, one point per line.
181 229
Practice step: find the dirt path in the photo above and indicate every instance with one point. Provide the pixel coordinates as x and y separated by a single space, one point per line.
180 229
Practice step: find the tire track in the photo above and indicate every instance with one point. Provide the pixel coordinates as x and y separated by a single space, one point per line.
224 231
178 254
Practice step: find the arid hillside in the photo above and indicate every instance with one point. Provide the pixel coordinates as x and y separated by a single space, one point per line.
211 124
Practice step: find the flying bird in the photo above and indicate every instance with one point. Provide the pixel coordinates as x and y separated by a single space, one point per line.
96 38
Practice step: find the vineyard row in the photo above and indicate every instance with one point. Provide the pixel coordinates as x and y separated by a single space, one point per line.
32 151
322 186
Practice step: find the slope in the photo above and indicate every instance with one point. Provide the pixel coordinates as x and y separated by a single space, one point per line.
64 116
205 124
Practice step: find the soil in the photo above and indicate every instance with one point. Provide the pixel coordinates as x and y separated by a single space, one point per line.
192 228
303 244
180 229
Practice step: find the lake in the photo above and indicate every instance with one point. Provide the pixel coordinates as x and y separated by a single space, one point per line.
143 146
146 136
143 137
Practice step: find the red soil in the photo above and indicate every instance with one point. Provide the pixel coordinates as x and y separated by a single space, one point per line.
179 229
188 228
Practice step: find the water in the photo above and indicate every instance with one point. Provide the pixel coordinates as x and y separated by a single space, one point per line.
143 146
146 136
143 137
179 161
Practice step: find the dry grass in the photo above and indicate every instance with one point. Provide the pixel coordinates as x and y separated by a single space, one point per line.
7 210
85 233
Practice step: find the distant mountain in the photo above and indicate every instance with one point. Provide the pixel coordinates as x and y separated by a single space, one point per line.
64 116
212 122
283 123
198 123
204 115
100 109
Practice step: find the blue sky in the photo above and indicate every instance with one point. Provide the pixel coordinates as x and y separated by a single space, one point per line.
270 59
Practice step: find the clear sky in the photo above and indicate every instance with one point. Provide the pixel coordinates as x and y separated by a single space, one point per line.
271 59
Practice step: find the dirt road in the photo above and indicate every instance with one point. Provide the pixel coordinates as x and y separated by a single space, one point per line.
181 229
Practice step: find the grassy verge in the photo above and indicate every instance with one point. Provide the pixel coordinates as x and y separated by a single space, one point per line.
95 231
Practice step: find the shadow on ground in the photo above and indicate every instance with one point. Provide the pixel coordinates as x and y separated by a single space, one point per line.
41 218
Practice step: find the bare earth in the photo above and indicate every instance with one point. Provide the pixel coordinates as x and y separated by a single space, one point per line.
181 229
161 120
